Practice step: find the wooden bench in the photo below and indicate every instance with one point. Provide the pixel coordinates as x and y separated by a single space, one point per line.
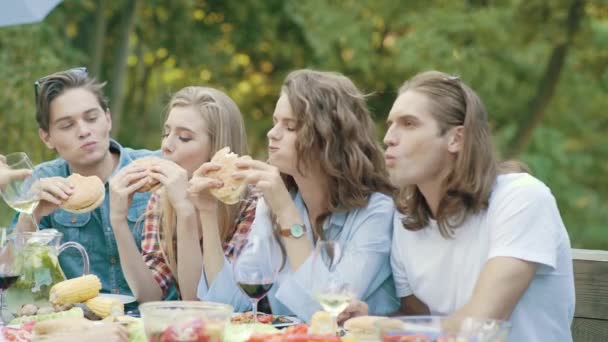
591 283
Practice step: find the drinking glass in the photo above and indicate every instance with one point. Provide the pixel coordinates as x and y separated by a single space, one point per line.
20 194
256 268
329 286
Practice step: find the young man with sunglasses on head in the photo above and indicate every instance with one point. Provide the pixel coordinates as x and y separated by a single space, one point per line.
74 119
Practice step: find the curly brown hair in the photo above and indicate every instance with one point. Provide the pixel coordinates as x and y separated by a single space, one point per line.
335 130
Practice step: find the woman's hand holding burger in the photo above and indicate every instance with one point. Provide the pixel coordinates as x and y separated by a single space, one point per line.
199 186
174 179
123 185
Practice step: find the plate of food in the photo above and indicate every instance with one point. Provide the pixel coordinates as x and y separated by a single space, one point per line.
277 321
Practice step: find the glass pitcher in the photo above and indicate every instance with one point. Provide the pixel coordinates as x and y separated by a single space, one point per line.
37 258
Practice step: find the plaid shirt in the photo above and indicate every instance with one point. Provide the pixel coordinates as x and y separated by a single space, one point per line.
151 250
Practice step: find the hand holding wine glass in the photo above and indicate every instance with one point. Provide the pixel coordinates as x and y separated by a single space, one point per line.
333 292
256 267
20 193
7 175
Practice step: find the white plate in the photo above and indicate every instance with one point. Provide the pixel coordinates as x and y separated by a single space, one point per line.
121 298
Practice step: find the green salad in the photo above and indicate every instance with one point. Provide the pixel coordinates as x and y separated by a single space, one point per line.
39 268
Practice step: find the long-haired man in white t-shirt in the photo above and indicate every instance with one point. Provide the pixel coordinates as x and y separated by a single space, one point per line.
474 237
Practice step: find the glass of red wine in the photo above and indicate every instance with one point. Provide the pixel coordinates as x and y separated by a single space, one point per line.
256 267
9 272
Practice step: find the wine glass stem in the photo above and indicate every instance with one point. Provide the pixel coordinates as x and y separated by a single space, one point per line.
334 323
34 221
2 308
254 309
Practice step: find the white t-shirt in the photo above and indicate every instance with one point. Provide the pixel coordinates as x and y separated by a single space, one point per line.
523 222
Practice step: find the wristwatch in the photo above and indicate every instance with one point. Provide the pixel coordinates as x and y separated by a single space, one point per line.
296 230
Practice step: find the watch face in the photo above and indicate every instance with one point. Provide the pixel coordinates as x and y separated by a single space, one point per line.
297 230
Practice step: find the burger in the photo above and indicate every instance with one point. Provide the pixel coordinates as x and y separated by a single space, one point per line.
363 327
152 184
89 193
231 191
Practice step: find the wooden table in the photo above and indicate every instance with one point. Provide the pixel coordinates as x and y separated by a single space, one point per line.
591 283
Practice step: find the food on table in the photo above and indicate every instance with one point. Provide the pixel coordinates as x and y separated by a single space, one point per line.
104 307
321 324
72 329
62 325
135 327
20 334
185 320
88 313
75 290
247 317
33 309
63 307
73 312
45 310
195 330
241 332
363 327
296 333
27 310
136 331
152 184
230 192
89 193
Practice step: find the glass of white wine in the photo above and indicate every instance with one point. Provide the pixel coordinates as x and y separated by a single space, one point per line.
330 288
20 194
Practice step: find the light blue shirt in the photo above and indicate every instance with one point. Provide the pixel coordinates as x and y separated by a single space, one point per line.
92 230
366 232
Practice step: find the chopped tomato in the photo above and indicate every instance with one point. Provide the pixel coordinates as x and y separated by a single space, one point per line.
17 334
312 338
193 331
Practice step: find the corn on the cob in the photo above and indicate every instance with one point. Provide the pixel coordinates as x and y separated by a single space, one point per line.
104 307
75 290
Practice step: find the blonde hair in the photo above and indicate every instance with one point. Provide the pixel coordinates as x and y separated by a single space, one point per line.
334 129
467 187
225 126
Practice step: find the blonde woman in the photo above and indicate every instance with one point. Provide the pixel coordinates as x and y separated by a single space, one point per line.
200 121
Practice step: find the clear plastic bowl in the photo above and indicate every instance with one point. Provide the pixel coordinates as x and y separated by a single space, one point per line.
185 321
442 329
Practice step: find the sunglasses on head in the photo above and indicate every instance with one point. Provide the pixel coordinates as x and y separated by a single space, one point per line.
38 84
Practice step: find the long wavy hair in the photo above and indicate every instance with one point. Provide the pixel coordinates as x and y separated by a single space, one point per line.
467 187
225 126
335 130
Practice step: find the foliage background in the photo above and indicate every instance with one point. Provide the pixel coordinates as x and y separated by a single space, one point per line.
540 66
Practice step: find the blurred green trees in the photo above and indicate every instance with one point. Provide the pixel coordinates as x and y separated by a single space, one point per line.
541 68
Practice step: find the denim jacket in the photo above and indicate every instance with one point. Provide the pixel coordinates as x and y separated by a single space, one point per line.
92 230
